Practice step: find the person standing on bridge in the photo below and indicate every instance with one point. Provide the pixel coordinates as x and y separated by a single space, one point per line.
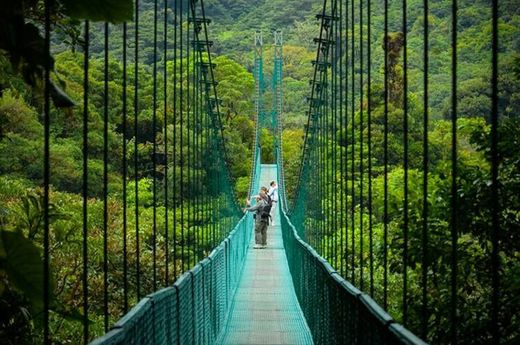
269 201
261 219
273 195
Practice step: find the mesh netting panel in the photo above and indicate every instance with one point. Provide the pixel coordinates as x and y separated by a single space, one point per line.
165 320
205 325
219 270
198 304
185 311
138 324
336 312
114 337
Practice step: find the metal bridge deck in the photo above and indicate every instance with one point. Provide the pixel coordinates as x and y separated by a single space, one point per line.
265 309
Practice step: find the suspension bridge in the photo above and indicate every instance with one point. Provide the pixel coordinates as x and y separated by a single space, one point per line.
241 295
311 285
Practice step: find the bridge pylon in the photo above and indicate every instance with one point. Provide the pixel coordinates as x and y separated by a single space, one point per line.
258 72
277 82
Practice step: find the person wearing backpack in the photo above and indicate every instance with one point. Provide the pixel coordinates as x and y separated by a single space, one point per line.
262 210
269 201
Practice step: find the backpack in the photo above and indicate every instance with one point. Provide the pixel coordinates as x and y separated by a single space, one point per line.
265 213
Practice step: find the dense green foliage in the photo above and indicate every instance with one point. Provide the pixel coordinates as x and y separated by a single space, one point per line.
193 211
21 168
232 28
345 241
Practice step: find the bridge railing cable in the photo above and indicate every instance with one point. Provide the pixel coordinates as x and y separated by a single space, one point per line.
194 309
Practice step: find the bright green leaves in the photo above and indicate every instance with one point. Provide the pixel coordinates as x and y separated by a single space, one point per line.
32 215
235 86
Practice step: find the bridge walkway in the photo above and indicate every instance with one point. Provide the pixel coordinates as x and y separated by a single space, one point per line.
265 309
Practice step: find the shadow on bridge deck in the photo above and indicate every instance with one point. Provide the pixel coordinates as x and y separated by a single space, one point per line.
265 309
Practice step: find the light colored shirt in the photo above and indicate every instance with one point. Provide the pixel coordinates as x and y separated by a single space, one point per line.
273 193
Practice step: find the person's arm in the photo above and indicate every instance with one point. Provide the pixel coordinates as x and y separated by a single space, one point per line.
254 208
248 204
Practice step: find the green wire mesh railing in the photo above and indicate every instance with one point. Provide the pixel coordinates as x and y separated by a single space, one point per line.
167 197
375 197
336 311
194 309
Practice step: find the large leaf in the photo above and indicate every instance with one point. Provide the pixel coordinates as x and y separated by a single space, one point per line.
67 312
114 11
23 266
60 97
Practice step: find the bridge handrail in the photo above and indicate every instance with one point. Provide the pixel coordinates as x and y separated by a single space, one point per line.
336 311
195 308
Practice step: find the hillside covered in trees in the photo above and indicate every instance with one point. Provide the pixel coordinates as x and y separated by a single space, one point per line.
232 29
